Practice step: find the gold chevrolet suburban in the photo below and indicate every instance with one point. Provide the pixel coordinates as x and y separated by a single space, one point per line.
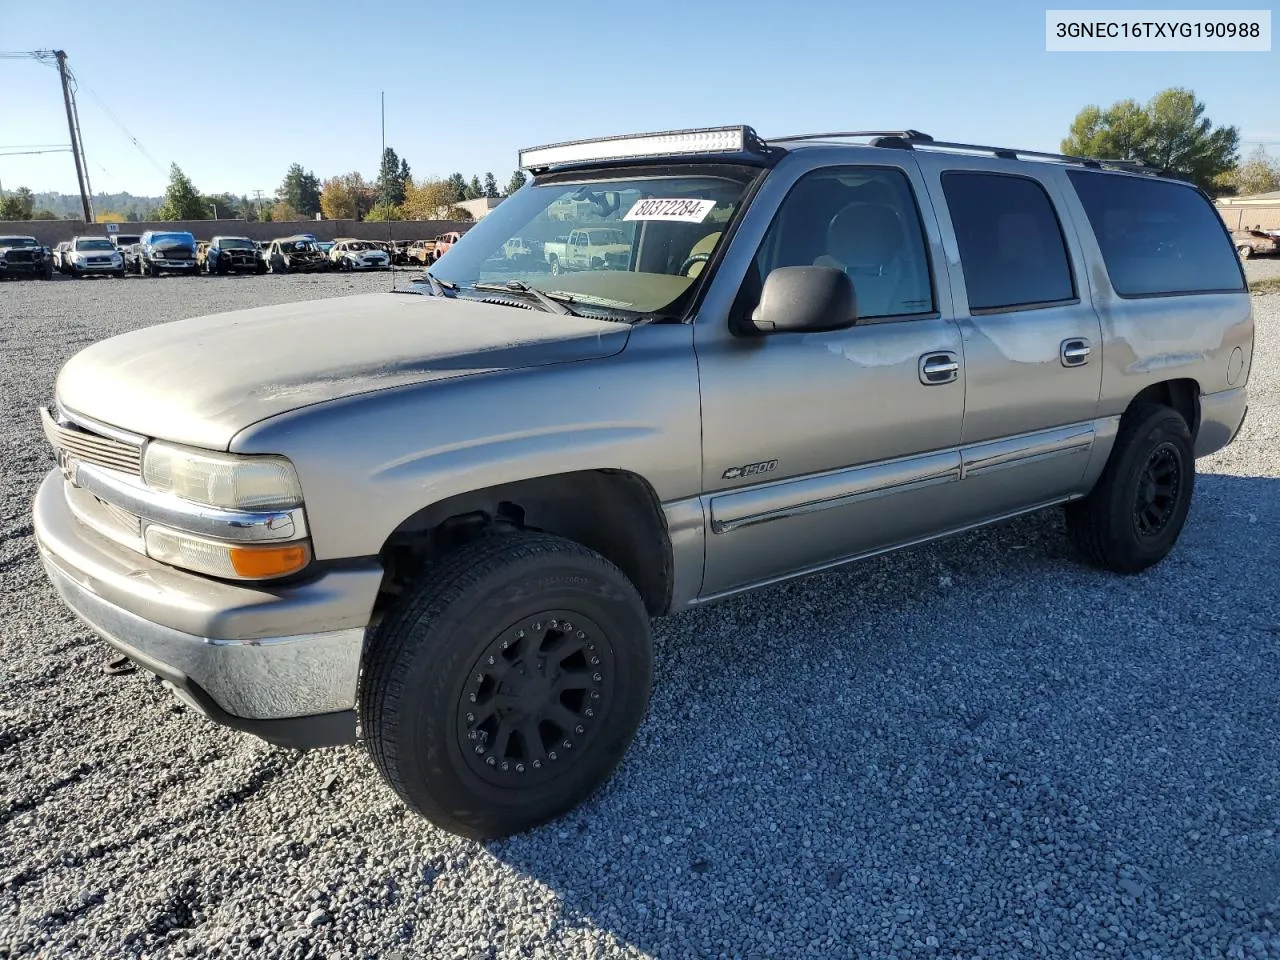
438 520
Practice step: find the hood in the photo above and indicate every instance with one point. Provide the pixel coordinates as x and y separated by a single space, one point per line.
203 380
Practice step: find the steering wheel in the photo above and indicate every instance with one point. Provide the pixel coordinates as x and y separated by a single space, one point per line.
691 260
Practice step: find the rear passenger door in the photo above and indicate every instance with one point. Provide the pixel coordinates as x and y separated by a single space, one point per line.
1032 339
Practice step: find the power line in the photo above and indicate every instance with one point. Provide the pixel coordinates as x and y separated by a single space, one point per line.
29 153
120 124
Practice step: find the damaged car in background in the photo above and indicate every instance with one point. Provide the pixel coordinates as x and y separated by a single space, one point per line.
233 255
24 257
350 254
92 256
300 254
164 251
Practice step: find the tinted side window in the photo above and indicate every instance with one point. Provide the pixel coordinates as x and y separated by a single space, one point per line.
864 221
1011 247
1157 237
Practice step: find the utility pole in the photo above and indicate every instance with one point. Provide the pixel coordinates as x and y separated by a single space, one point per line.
75 140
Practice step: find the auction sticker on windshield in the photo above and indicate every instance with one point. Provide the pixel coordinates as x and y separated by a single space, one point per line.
689 211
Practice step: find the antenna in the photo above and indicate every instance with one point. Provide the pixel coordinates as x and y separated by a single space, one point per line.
391 244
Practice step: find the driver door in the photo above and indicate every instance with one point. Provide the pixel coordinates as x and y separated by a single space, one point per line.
822 446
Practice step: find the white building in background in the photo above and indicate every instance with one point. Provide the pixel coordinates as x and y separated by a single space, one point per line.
480 206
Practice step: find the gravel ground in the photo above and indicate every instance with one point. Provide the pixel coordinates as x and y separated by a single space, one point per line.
974 749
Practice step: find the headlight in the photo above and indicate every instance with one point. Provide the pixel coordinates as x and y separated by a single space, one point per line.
231 561
222 479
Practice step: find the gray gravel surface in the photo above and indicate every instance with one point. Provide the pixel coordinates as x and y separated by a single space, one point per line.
973 749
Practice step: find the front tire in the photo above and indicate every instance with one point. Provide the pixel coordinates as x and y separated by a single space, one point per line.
503 691
1245 251
1133 516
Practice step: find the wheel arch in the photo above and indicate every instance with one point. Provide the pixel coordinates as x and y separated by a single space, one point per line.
1182 395
616 513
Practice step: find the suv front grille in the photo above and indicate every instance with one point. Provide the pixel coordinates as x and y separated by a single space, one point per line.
93 448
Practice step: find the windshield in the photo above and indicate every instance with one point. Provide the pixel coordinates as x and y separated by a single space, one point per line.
360 245
173 238
235 243
17 242
619 242
297 245
93 243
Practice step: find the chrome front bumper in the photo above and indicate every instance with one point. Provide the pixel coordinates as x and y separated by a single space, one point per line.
252 656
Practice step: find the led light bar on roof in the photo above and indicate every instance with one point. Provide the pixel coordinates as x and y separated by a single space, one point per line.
710 140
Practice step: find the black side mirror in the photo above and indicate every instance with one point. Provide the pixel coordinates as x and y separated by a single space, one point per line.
805 300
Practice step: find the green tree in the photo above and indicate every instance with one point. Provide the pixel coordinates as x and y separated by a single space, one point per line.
518 180
474 190
1170 132
1259 173
18 205
384 211
43 214
347 197
427 200
457 185
391 178
225 206
300 191
491 187
182 201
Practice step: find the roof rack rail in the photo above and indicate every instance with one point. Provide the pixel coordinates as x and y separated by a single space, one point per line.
914 135
1016 153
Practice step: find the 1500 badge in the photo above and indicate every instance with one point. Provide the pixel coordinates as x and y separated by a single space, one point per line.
749 470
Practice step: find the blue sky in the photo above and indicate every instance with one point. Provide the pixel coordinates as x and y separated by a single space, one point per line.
235 92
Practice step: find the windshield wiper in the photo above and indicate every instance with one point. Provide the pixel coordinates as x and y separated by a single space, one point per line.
558 304
438 286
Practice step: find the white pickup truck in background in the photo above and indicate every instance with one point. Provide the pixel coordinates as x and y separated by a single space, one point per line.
589 248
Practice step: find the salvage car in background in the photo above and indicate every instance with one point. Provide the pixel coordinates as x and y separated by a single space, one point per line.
351 254
298 254
93 256
24 257
420 251
442 244
166 251
1254 243
233 255
59 251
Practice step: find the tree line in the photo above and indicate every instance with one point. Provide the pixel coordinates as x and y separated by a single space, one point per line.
394 195
1170 131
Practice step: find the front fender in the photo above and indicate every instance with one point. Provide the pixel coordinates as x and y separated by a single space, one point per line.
368 462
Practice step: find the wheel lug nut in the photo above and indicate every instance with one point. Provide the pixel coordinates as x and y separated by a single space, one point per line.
568 625
567 745
595 661
581 635
519 768
596 677
471 697
579 729
471 718
552 756
471 735
537 626
505 765
491 761
588 712
491 661
519 634
537 764
555 624
595 694
591 646
479 748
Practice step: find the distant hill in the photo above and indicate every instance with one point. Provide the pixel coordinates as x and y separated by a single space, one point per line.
67 205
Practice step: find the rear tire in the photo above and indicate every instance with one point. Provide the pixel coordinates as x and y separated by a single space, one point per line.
1245 251
1134 515
484 717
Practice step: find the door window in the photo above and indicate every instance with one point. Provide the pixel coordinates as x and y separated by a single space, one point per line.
864 221
1011 246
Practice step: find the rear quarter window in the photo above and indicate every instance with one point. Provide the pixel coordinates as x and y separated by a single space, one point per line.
1158 238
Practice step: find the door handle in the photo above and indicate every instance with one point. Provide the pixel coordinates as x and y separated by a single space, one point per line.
936 368
1075 352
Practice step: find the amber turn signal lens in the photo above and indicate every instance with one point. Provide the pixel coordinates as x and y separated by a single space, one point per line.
261 562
